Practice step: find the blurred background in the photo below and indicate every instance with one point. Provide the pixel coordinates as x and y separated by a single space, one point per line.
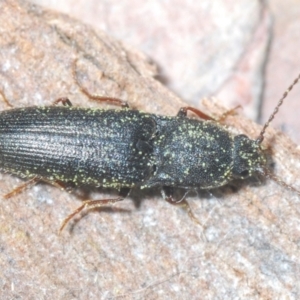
242 52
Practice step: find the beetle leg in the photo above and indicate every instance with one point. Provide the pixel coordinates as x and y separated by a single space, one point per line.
58 184
167 193
6 101
31 182
19 189
65 101
90 204
227 113
183 113
111 100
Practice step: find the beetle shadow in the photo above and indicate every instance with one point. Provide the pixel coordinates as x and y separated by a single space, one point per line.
85 193
137 196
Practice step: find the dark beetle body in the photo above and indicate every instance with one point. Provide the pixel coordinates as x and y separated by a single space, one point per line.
122 148
77 145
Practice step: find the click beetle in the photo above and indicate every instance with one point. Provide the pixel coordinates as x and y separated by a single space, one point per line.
126 148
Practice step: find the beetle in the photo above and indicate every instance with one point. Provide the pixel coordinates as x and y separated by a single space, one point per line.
127 148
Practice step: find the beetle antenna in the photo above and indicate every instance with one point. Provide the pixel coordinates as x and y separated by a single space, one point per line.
266 172
261 135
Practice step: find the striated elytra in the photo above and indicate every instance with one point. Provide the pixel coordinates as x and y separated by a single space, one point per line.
109 148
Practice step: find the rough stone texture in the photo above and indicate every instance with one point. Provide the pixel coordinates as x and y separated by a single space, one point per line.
283 65
203 48
145 249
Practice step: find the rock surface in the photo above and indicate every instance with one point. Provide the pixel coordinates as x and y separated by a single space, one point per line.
142 248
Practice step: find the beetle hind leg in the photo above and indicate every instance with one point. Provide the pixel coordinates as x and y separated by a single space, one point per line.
91 204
